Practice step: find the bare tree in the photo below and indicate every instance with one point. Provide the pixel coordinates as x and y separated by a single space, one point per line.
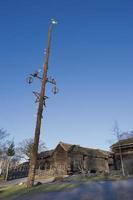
117 134
10 153
126 135
3 136
24 149
3 156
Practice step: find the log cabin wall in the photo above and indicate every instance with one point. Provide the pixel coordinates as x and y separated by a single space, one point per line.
127 162
60 160
87 160
75 164
126 148
44 163
69 159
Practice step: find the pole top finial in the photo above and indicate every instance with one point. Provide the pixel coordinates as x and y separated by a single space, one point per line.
53 21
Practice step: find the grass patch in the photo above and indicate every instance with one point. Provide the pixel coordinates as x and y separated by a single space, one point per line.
17 190
7 191
1 178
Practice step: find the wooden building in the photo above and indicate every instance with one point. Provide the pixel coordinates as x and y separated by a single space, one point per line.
125 147
69 159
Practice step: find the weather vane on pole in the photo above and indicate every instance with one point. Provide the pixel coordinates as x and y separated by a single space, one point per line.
40 99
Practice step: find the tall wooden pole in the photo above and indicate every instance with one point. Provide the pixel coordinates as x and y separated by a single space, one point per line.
120 152
33 161
116 130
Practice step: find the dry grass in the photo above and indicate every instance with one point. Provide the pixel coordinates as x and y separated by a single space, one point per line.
19 190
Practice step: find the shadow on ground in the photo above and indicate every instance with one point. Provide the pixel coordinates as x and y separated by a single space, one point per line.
103 190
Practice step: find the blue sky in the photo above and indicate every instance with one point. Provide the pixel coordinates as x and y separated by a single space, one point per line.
91 59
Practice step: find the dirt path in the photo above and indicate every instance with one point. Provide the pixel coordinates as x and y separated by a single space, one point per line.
23 180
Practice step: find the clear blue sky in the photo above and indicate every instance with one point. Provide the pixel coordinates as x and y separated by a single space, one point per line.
91 59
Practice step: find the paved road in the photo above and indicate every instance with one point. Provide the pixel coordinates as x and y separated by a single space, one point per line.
103 190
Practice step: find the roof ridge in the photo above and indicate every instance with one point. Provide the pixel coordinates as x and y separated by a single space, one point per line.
65 143
65 146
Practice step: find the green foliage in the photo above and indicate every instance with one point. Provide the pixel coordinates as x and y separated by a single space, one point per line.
20 190
11 150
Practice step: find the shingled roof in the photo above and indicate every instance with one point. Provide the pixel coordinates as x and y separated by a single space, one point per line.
89 151
65 146
76 148
124 142
45 154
